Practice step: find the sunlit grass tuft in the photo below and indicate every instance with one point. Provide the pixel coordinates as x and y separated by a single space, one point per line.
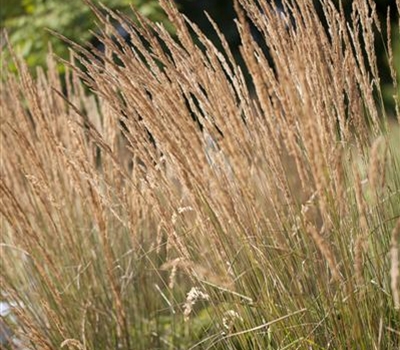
177 206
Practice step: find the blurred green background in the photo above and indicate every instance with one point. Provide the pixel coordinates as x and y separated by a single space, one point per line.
27 21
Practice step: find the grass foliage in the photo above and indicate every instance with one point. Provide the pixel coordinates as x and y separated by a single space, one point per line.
177 205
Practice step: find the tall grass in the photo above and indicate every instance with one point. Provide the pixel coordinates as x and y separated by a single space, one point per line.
177 206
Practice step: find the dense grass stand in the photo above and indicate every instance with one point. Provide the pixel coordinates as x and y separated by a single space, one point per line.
273 226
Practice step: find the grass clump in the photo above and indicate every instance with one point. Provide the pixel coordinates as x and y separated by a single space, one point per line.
177 206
